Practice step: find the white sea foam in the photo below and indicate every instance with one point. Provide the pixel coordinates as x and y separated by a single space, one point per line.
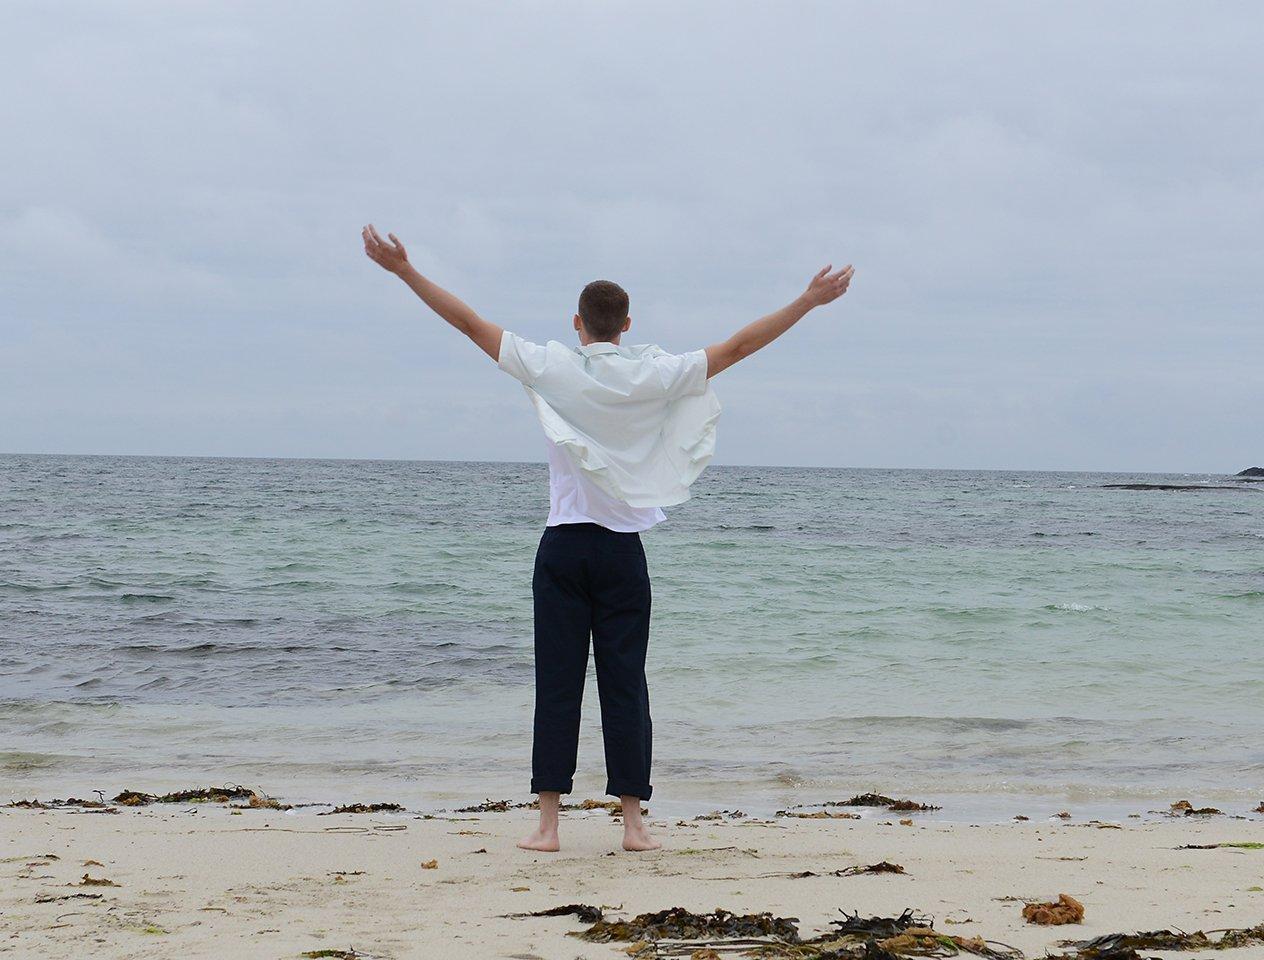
1074 607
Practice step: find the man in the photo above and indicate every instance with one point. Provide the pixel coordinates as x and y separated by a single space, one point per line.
628 430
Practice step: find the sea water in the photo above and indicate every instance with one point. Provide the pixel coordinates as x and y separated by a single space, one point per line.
361 630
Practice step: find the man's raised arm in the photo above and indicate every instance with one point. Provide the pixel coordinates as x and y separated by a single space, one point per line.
393 257
824 288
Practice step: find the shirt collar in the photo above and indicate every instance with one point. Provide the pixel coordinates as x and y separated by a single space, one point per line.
596 349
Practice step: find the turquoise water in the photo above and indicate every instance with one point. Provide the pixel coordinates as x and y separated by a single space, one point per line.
338 627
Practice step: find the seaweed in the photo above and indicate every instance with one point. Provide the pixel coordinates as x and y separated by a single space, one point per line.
905 805
883 866
135 798
1066 909
1185 808
613 807
494 806
610 806
88 881
53 804
677 923
1115 946
585 911
853 924
865 800
879 800
887 938
258 802
677 932
363 808
818 815
1238 845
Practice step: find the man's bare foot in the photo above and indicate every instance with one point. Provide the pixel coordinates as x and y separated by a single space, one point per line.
544 837
542 840
638 838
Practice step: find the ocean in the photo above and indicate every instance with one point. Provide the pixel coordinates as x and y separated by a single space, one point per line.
996 642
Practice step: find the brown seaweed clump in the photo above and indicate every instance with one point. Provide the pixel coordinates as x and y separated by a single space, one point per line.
1183 808
880 800
678 933
89 881
363 808
818 815
677 923
585 911
494 806
134 798
54 804
1065 910
882 866
887 938
1121 946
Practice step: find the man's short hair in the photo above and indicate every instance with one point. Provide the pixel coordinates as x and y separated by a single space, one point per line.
603 308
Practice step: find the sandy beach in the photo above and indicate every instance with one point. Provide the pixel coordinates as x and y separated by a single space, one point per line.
208 881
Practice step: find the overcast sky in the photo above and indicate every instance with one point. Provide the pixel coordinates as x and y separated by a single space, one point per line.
1055 211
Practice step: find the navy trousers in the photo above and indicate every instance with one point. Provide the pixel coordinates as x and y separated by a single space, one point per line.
591 582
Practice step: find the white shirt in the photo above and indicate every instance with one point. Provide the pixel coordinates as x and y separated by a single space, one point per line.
634 424
573 498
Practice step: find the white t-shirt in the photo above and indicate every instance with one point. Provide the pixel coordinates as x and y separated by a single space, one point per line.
635 423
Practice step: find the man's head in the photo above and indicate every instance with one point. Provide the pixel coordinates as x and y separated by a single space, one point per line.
603 312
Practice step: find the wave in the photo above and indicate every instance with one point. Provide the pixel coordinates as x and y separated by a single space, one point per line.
35 587
1073 607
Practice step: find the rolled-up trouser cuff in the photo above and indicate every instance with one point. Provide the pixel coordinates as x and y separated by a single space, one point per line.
554 786
618 789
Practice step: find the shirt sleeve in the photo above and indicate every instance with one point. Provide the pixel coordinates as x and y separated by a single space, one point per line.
521 359
683 375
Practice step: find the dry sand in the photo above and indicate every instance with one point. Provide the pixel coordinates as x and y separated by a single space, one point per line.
205 882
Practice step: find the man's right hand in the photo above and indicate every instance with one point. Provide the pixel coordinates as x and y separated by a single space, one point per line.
389 256
824 288
827 287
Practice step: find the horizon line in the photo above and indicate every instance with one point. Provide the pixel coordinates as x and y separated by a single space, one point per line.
542 463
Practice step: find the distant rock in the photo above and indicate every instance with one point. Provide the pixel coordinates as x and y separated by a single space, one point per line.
1251 472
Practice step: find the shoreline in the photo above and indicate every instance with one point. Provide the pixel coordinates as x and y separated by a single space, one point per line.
204 880
966 807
